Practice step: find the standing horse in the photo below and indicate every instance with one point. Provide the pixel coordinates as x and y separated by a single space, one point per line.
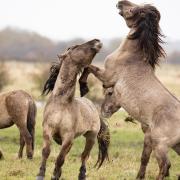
18 107
67 117
130 70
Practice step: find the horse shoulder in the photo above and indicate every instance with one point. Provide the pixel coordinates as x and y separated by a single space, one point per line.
88 116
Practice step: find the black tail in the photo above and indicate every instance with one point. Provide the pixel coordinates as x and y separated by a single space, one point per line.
31 120
103 142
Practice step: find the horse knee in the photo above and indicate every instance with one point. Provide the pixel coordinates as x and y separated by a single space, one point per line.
27 136
46 151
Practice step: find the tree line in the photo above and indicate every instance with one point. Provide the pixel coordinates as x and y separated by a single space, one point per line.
22 45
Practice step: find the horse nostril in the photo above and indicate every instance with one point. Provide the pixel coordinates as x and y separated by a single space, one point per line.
97 40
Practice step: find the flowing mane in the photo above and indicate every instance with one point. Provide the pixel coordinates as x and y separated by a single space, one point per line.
54 71
147 31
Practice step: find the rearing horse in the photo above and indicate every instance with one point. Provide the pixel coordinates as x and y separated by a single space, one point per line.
67 117
130 70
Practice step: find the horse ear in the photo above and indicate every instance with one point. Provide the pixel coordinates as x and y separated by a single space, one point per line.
61 56
130 12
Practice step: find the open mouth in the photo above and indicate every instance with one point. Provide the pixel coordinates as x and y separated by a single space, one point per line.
120 12
119 7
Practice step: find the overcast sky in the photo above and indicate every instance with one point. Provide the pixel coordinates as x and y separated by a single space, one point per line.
66 19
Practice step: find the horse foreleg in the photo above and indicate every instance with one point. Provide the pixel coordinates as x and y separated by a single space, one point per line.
90 140
163 161
97 72
66 146
45 154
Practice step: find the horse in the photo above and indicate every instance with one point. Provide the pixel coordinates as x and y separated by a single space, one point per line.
67 117
109 106
130 70
18 107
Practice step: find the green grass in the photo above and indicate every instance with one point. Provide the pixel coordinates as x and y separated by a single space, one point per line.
126 139
125 152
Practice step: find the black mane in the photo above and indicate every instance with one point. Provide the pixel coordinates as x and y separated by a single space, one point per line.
54 71
147 31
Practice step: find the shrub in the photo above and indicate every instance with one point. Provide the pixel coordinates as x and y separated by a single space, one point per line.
40 78
4 76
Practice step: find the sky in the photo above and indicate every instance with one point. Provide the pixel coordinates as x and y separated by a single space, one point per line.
67 19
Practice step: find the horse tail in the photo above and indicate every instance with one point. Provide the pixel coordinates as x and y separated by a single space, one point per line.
103 143
31 120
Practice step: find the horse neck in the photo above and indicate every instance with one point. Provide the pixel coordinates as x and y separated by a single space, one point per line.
128 45
66 82
130 52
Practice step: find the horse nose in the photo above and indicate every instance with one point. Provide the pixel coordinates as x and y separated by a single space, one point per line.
97 40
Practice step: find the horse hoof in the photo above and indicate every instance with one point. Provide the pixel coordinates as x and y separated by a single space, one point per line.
39 177
54 178
82 177
179 177
140 177
30 157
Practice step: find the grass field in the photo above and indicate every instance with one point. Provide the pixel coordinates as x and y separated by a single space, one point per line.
125 149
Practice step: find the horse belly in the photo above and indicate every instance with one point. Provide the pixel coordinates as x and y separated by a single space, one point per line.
5 119
88 117
5 122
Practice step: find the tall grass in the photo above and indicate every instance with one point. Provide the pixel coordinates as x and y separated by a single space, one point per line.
4 75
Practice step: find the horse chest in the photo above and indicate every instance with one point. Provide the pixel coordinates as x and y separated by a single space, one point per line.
134 101
127 98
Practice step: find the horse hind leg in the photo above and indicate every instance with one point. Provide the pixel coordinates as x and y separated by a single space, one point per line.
45 153
163 161
90 140
28 140
147 149
22 143
176 148
66 146
27 129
